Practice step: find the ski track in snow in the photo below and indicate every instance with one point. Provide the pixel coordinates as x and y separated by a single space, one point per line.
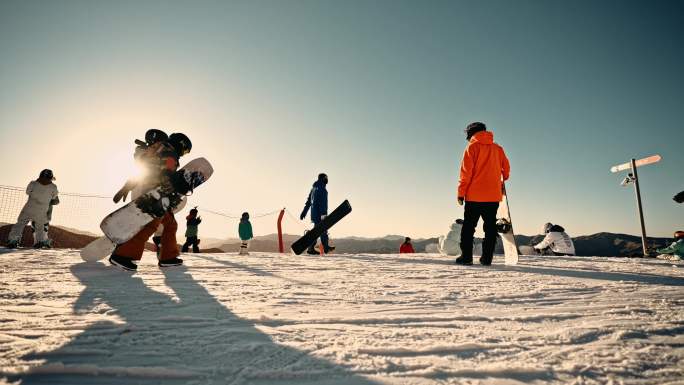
341 319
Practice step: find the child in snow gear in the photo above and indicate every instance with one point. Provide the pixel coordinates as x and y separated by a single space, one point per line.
484 168
556 241
192 223
318 202
245 232
406 247
676 250
42 195
160 157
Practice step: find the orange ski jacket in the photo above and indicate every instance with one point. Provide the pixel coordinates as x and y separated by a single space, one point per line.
483 169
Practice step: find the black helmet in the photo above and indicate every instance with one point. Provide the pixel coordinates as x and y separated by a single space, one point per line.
153 136
47 174
323 177
503 226
474 128
245 216
193 211
180 143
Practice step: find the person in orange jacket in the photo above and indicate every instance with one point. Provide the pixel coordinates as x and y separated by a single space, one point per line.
406 247
484 168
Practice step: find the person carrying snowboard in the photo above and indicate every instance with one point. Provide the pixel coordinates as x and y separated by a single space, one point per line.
245 233
161 159
42 195
484 168
406 247
317 201
556 242
192 225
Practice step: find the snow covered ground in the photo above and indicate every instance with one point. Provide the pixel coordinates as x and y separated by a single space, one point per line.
344 319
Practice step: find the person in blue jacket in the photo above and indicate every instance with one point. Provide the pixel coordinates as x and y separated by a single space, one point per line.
317 201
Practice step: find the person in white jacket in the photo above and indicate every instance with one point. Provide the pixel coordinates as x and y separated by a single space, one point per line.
42 195
556 241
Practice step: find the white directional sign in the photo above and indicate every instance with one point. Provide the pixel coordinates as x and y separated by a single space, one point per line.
639 163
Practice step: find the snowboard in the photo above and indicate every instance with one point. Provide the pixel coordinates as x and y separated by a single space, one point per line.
507 238
124 223
102 247
329 221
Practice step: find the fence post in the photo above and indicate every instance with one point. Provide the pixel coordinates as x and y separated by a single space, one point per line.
280 231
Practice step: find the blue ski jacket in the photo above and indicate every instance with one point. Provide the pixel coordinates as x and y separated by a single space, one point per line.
317 201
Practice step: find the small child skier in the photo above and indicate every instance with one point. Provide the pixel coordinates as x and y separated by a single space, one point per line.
43 195
406 247
192 224
245 231
674 252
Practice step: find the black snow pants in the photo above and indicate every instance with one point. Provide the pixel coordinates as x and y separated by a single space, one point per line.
191 241
473 212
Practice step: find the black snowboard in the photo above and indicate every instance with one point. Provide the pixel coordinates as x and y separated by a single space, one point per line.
329 221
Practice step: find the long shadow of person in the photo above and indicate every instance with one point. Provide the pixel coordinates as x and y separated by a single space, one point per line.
187 339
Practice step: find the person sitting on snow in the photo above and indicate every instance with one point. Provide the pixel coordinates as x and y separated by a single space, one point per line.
43 195
406 247
676 250
556 241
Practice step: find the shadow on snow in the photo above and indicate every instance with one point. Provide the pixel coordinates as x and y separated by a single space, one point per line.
190 339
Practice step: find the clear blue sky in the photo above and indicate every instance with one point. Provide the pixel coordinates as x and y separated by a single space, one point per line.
375 93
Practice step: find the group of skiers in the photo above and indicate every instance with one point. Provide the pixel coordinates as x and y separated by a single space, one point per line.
483 171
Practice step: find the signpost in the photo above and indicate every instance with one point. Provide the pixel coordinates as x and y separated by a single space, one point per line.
633 177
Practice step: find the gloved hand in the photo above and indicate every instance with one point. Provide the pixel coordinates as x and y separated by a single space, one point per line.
121 194
460 201
323 216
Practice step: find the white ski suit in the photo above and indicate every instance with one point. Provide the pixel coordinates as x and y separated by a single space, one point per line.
36 210
558 241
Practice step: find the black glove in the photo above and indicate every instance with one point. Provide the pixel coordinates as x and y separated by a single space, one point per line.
121 194
178 182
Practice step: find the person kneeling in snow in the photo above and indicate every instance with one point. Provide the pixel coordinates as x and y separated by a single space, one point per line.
406 247
556 241
42 196
676 250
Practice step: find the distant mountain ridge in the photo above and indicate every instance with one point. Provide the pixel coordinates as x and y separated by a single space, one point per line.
599 244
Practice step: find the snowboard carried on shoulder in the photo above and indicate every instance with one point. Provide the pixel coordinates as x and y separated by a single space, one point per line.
504 225
329 221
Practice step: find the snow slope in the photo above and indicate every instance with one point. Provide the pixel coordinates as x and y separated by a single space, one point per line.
344 319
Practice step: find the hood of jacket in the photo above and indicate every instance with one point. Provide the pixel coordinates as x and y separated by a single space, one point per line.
483 137
556 229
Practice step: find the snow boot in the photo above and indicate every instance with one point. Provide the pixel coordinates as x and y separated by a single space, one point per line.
123 262
46 244
485 261
329 249
463 260
243 249
170 262
312 250
12 244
